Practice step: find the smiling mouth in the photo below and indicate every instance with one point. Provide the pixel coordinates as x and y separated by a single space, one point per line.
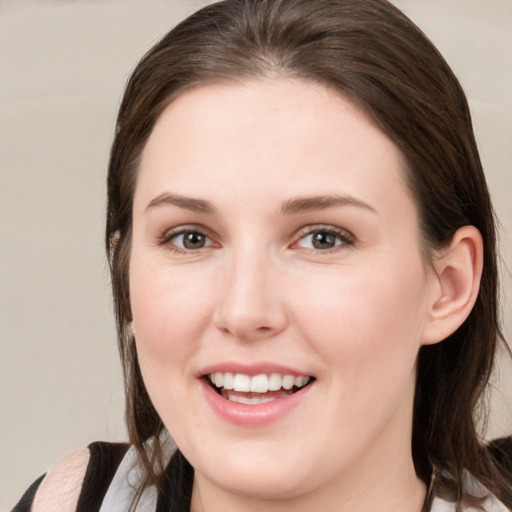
257 389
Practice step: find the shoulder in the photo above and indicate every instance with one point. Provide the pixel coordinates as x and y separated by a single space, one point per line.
61 487
78 483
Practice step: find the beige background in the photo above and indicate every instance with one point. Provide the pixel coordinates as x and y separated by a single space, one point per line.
63 64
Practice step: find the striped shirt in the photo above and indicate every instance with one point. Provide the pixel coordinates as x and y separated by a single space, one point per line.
114 482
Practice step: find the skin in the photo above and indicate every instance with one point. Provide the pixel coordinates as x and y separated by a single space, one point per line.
353 316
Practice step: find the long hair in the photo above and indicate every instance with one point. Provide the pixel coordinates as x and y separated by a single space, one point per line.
372 54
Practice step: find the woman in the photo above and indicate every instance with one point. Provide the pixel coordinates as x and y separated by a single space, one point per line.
302 250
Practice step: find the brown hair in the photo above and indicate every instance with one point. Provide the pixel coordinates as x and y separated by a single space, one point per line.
376 57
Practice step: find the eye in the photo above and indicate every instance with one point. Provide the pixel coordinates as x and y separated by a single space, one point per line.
188 240
324 239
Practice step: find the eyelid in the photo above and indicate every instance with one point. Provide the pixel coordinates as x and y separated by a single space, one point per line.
165 238
347 238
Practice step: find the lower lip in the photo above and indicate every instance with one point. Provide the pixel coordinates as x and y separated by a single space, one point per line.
256 414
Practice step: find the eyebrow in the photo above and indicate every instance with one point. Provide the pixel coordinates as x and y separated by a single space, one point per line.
297 205
187 203
318 203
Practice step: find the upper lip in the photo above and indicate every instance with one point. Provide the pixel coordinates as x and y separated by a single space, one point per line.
251 369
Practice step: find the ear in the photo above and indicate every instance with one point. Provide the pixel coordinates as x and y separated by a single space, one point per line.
455 284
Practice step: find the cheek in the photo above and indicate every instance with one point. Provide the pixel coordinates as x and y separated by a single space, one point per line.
365 321
170 314
167 306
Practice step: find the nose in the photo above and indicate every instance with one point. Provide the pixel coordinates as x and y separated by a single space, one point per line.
251 305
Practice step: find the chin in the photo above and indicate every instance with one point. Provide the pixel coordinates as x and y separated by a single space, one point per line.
267 474
260 484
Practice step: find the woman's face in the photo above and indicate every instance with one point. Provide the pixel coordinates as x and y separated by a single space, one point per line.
275 243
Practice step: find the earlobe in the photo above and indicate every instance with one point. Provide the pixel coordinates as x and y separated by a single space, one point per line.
458 270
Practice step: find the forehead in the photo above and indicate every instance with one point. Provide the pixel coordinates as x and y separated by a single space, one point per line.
268 137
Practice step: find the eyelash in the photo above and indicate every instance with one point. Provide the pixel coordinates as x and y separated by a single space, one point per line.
166 239
344 237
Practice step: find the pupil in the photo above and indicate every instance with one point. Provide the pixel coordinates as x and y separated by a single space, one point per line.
322 240
193 240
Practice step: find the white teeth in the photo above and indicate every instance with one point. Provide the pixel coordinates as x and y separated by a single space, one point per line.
242 382
258 383
301 381
274 382
250 401
288 381
229 379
